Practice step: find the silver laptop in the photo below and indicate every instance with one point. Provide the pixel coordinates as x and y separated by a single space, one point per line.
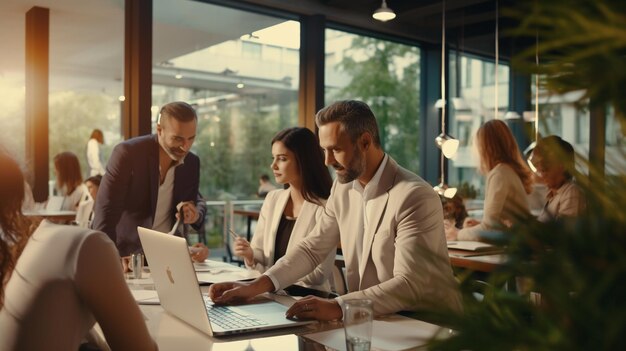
176 283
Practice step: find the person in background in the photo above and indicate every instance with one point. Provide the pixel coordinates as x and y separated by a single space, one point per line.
93 184
454 214
147 178
52 279
94 153
388 221
84 213
554 160
69 182
29 203
288 215
265 186
509 180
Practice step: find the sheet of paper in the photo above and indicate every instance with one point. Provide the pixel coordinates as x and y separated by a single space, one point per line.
146 297
219 275
388 336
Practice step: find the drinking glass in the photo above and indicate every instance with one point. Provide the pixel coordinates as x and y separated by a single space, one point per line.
357 323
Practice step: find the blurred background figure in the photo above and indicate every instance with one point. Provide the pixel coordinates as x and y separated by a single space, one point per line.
69 182
289 215
265 186
554 159
509 180
454 213
84 212
93 183
57 271
94 153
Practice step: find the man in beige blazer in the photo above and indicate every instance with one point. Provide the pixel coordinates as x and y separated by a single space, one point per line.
389 223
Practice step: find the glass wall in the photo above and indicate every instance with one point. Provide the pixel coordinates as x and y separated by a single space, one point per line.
473 90
86 73
384 74
12 114
240 70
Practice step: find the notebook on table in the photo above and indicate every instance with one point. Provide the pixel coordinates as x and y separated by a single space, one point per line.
474 247
175 280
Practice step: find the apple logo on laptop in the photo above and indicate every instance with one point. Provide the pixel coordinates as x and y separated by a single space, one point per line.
169 274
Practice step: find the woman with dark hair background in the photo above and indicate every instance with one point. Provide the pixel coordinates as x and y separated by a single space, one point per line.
289 214
58 281
69 180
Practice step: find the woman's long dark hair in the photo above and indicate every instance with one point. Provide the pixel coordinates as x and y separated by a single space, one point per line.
15 227
68 171
316 180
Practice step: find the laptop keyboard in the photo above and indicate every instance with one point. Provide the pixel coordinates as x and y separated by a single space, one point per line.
229 319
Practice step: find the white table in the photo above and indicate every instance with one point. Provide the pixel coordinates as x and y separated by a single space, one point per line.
171 333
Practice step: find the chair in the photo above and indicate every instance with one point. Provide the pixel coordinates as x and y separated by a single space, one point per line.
83 213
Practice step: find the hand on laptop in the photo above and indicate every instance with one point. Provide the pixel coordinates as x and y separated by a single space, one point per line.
234 292
313 307
200 254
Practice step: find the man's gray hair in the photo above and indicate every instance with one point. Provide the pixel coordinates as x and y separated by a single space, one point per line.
354 116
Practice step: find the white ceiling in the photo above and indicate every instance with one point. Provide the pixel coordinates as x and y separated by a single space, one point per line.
87 37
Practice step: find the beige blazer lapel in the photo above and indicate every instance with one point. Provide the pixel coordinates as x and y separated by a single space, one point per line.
377 207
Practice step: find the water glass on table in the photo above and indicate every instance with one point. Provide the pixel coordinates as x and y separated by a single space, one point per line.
132 266
357 324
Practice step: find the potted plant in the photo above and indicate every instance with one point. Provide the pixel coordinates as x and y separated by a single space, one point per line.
577 266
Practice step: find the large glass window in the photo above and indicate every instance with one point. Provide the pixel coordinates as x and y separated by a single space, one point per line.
615 146
12 133
86 78
473 103
240 70
86 66
385 75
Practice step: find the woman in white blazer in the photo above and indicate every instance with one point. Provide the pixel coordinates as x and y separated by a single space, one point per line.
289 214
509 181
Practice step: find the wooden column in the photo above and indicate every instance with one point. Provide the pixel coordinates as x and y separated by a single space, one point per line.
311 92
37 76
137 69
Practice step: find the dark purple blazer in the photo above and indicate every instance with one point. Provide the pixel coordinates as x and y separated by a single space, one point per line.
127 196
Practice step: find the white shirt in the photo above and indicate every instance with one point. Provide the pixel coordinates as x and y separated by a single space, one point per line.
94 158
46 276
162 216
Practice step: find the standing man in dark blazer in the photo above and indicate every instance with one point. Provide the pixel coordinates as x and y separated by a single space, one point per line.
147 177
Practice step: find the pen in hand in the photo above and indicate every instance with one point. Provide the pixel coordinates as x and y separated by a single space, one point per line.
233 235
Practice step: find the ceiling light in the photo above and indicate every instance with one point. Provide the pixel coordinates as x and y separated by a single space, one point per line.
384 13
447 144
443 190
240 85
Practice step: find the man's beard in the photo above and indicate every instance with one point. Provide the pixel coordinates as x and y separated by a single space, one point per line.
171 151
353 170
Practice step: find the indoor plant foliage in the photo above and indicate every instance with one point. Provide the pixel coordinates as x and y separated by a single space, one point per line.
578 266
